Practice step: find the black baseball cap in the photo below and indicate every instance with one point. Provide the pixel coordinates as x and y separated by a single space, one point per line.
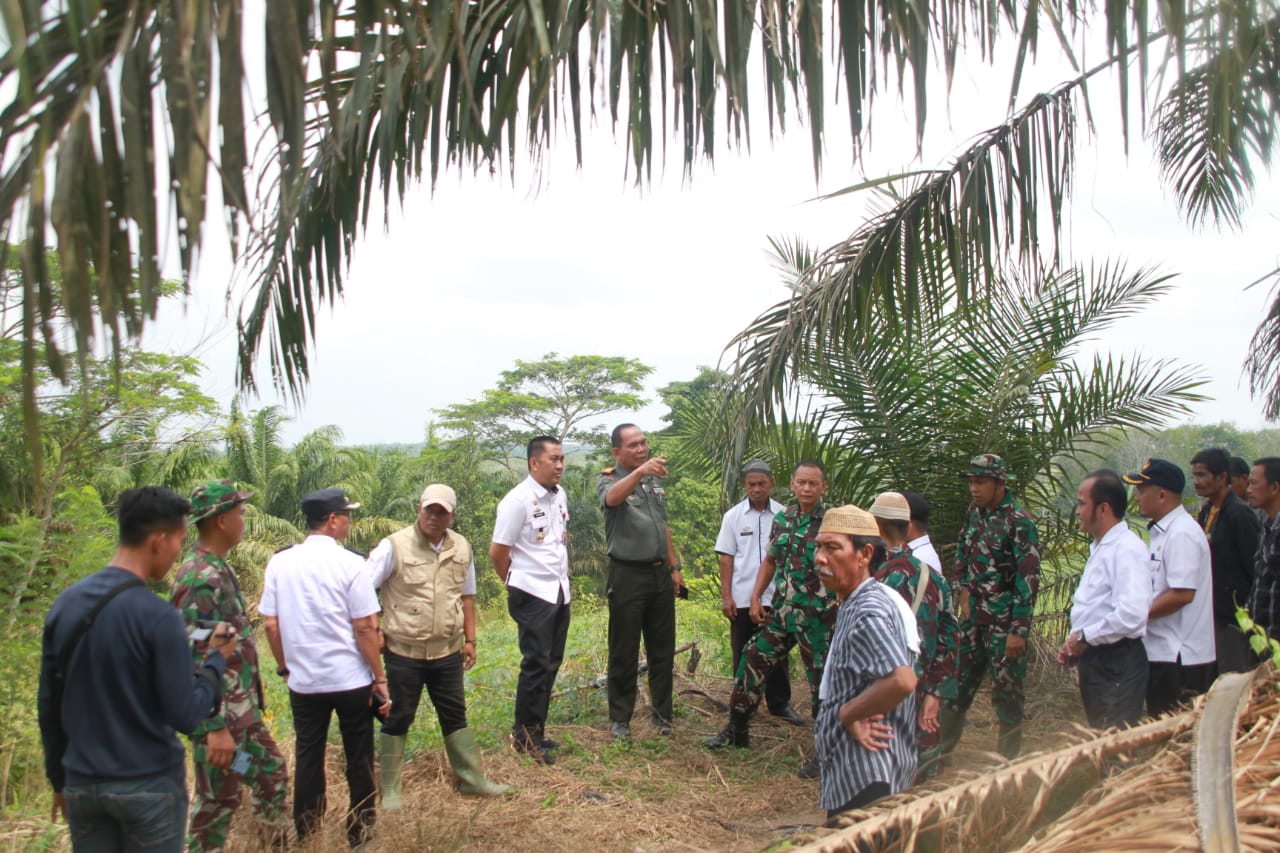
1159 472
323 502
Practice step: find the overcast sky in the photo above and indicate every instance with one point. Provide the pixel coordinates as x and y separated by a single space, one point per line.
486 270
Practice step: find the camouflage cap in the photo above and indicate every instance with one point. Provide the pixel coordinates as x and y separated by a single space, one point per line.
988 465
849 519
215 497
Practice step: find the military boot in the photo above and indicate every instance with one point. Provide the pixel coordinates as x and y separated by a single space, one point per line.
391 762
1010 741
464 755
737 733
950 727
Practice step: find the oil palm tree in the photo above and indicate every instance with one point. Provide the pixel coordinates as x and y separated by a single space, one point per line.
885 405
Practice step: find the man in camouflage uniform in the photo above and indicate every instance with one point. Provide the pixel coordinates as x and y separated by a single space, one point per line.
930 600
206 589
803 614
997 577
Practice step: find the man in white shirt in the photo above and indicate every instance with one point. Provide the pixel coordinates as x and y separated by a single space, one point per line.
918 542
1109 616
426 577
531 556
1180 633
742 545
321 617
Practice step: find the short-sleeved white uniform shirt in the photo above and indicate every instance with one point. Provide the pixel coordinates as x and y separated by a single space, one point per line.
1180 560
744 535
315 590
534 522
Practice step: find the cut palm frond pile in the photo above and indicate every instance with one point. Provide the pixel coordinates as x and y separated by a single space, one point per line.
1066 800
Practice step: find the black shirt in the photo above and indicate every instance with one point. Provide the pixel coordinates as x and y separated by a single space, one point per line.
1233 541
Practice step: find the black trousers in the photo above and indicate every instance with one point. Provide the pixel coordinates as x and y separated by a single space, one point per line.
1234 654
311 715
642 601
1113 683
542 627
777 684
443 679
1170 685
862 799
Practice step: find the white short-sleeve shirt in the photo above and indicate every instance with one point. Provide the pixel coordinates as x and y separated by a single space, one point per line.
315 590
744 535
1180 560
534 522
922 549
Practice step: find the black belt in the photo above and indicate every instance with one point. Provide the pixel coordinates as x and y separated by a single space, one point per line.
640 564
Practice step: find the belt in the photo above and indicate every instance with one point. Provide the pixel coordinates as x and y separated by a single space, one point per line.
640 564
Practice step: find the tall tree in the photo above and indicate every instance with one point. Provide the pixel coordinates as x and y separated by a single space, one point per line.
551 396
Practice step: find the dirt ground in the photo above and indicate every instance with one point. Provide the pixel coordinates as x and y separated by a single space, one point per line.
655 793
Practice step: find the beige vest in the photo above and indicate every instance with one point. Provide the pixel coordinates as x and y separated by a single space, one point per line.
422 600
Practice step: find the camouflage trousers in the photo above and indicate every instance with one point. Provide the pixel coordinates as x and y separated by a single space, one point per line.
769 647
982 647
928 744
218 791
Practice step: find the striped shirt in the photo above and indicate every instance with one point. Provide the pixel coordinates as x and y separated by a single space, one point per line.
868 644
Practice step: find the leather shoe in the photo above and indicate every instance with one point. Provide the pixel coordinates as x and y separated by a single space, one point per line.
525 744
619 730
789 715
662 725
809 770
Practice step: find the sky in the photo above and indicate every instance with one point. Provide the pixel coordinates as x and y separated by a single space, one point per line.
490 269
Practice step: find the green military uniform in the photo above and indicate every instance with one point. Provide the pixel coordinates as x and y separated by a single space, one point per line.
641 594
936 625
206 589
804 612
998 562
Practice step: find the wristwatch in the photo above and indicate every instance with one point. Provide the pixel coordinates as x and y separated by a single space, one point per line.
282 671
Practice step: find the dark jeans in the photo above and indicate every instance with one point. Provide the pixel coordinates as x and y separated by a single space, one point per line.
311 714
1170 685
1113 683
777 684
443 679
642 600
139 814
542 627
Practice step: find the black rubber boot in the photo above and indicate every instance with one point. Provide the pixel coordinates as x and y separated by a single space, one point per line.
737 733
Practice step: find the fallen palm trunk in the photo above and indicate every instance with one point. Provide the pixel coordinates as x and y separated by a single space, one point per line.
1152 805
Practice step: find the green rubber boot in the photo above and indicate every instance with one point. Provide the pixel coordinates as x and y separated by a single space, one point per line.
391 761
464 755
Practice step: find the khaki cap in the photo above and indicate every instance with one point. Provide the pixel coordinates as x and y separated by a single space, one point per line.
849 519
891 506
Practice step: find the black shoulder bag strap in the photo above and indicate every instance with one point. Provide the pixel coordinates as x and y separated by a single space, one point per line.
83 626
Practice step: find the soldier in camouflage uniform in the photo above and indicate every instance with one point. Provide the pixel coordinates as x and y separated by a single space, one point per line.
997 577
930 599
803 614
206 589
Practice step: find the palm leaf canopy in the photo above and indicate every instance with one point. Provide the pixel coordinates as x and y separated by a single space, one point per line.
123 110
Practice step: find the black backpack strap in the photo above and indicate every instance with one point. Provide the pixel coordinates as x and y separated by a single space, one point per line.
82 627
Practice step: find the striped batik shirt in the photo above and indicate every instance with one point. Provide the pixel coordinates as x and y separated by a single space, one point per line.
868 644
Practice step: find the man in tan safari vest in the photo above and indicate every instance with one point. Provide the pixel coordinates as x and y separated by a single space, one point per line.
426 579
